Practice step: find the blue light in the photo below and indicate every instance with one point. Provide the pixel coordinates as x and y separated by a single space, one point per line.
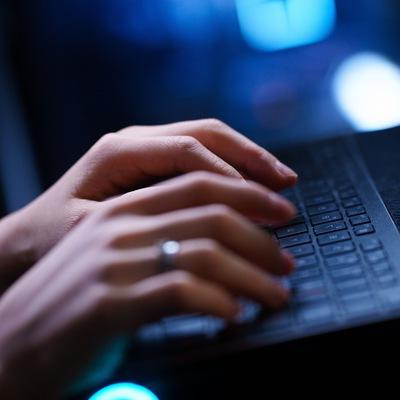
270 25
124 391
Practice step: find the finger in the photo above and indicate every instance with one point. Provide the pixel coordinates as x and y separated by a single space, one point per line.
207 259
237 150
216 222
128 161
168 294
197 189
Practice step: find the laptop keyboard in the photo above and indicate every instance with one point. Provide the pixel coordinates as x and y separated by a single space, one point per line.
343 270
341 263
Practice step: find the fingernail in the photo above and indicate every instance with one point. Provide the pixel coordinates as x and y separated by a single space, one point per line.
285 170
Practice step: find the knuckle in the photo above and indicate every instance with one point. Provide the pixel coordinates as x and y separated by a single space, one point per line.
216 125
208 250
220 217
105 144
186 143
201 181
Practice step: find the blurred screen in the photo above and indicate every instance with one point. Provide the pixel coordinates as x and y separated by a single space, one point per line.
279 71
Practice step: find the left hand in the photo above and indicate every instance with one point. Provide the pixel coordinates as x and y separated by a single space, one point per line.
122 161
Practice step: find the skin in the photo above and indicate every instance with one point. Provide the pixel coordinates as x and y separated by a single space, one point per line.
103 279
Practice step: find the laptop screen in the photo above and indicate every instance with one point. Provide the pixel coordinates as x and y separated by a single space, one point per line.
276 70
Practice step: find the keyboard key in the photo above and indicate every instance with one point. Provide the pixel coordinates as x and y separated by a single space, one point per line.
364 229
343 260
359 304
185 328
295 240
290 231
331 227
370 244
375 257
343 274
337 248
351 202
304 250
360 219
351 212
300 219
317 200
333 238
312 290
306 262
352 286
382 268
321 209
347 193
306 274
316 313
343 184
387 280
324 218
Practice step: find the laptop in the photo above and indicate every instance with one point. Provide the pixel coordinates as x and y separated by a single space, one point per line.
346 286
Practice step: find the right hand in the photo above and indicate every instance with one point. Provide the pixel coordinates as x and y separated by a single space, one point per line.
103 279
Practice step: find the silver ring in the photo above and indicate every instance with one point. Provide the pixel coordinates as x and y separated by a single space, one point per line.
168 252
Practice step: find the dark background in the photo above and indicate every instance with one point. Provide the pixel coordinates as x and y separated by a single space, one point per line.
86 67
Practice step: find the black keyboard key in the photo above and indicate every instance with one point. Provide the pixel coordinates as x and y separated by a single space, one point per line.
300 219
382 268
334 237
337 248
328 217
312 290
306 262
316 313
351 202
347 193
387 280
359 304
360 219
306 274
274 323
290 231
321 209
331 227
185 328
304 250
343 260
352 212
343 184
295 240
317 200
370 244
352 286
344 274
365 229
375 257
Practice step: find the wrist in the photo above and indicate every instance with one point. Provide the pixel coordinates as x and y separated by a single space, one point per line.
17 249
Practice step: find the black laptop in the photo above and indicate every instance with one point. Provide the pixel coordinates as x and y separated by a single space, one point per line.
346 289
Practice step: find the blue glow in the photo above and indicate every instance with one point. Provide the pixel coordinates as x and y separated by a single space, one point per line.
270 25
366 87
124 391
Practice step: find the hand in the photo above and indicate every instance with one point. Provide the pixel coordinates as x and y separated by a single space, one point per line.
104 280
123 161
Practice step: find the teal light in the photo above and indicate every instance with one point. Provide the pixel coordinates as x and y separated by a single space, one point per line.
271 25
124 391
